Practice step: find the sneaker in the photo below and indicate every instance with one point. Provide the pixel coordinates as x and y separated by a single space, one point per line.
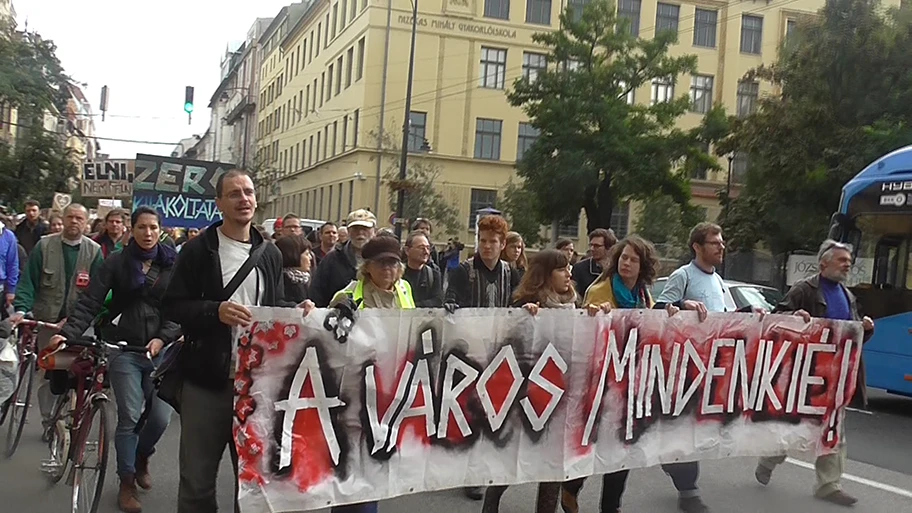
476 493
692 505
763 475
839 498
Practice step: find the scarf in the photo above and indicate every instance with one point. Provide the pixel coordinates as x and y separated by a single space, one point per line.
625 297
297 275
160 254
551 299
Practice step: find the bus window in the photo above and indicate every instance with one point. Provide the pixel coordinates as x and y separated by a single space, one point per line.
886 263
881 243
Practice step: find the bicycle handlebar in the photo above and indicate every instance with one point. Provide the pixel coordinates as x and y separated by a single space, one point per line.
95 343
31 323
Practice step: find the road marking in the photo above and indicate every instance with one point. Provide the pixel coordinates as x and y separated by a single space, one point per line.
860 480
856 410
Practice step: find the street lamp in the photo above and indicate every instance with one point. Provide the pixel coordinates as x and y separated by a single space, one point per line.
403 156
728 200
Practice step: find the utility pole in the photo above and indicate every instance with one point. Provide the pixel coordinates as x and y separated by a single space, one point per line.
403 158
104 102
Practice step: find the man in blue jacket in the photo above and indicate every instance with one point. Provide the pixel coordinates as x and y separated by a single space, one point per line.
9 264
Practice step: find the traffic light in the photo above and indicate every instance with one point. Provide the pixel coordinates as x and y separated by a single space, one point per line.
188 100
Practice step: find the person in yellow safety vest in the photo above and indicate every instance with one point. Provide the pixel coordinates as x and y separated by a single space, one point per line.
379 285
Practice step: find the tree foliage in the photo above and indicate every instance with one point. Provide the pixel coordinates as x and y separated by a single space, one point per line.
594 149
422 197
661 221
519 206
844 99
31 77
40 166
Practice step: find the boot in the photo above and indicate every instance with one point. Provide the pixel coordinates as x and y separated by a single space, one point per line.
143 479
126 498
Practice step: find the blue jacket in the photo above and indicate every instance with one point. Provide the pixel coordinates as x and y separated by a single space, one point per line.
9 260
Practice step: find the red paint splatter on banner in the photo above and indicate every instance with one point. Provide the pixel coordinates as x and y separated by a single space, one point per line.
311 463
242 383
464 399
538 396
250 358
250 455
244 407
499 385
414 427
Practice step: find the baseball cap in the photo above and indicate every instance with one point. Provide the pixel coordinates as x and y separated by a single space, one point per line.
361 217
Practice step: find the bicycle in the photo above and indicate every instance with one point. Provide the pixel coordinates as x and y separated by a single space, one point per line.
15 409
75 413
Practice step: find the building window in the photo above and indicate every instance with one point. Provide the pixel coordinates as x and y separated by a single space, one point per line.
329 83
701 172
360 60
344 134
705 28
355 129
338 75
663 89
630 10
335 20
527 135
533 64
335 137
352 11
538 12
739 167
701 91
487 138
568 229
751 34
326 34
313 105
790 28
417 130
576 9
342 17
307 101
620 219
319 135
748 93
319 29
667 16
326 142
631 94
322 86
499 9
350 57
493 67
310 151
481 198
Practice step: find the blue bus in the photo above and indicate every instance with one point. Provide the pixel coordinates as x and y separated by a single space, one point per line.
875 217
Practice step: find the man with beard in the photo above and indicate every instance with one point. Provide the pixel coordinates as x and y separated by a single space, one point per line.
825 296
587 271
339 267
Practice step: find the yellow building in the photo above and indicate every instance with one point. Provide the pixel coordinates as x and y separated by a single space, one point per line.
332 78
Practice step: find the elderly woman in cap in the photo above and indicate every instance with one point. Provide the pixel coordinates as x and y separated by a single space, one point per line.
379 285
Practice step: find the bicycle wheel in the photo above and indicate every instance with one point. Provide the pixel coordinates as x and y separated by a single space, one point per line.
19 404
55 467
89 472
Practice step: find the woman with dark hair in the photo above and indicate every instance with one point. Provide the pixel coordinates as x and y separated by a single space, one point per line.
297 260
546 284
136 278
624 283
566 246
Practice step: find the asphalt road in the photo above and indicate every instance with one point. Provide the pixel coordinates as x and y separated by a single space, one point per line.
879 473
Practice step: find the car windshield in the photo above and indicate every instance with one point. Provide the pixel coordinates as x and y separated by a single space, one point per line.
758 297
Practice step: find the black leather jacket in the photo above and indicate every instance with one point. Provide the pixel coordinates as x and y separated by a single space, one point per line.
140 310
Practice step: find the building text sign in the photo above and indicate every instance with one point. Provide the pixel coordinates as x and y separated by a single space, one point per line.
424 400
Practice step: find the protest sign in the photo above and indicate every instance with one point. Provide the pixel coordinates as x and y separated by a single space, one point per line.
423 400
182 190
107 178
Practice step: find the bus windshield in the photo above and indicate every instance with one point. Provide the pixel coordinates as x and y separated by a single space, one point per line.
883 243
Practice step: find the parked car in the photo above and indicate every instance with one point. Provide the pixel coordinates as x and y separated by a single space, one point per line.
738 294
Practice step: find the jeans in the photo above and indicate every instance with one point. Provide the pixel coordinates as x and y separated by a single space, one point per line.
613 486
684 476
366 507
545 501
206 421
130 375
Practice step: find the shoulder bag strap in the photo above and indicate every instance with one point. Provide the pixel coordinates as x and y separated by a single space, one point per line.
242 273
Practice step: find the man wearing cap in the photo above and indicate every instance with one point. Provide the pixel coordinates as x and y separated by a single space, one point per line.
339 267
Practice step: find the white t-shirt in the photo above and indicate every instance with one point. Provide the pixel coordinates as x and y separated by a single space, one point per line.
232 255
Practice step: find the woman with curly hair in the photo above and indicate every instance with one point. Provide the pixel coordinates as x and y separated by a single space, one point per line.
625 283
546 284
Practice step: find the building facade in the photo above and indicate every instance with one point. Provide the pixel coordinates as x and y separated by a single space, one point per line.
333 85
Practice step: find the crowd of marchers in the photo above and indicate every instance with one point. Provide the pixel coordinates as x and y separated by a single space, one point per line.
180 296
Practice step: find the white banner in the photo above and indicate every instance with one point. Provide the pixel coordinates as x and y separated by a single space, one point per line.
422 400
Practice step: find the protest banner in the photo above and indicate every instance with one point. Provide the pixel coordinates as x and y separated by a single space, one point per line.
182 190
423 400
107 178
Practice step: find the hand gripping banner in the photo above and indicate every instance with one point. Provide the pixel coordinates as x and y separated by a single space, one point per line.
423 400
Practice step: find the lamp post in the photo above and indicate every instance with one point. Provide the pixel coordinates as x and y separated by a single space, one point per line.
728 191
403 157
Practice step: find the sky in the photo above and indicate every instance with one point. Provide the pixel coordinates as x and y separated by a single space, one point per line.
146 53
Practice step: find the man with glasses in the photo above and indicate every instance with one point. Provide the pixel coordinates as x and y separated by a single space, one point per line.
291 225
587 271
825 296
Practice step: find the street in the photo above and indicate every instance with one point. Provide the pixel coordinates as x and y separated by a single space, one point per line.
879 474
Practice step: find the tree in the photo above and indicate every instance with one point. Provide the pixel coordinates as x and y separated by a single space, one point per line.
31 77
422 198
662 222
595 149
519 206
843 100
40 166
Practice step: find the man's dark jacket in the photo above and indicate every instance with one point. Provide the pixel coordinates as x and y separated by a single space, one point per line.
28 236
140 309
335 272
806 295
193 300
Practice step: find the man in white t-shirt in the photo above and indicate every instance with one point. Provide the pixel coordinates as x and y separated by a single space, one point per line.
196 300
